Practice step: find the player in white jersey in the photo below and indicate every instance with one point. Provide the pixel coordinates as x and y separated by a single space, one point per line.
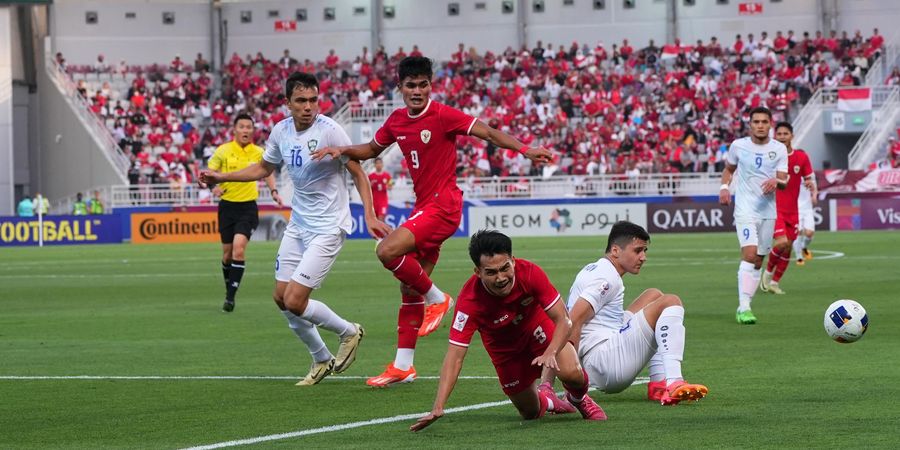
320 221
614 343
758 165
807 225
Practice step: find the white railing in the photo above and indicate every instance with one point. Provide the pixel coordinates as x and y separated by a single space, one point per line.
92 123
808 116
875 136
474 188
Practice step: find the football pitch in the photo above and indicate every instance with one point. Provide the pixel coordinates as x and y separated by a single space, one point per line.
125 346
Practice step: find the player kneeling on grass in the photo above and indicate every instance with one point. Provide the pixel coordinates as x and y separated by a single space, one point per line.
524 327
615 343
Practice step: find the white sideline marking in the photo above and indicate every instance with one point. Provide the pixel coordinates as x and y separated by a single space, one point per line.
211 377
365 423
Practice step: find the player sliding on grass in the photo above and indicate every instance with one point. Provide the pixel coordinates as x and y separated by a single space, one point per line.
426 132
615 343
524 328
320 221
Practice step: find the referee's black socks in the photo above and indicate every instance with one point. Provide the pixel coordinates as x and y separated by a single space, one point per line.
226 273
235 273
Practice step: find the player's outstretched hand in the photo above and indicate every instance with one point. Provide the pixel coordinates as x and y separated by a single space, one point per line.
334 152
208 178
724 196
378 229
424 421
539 154
546 360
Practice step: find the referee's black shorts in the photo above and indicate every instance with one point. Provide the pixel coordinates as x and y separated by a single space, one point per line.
237 218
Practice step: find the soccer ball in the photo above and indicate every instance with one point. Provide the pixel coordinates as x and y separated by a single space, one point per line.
846 321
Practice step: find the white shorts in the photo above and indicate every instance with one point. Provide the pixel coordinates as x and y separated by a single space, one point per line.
756 232
614 364
807 220
308 259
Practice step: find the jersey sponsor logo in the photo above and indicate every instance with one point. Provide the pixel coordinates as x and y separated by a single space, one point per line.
312 144
401 138
501 319
511 384
425 135
460 321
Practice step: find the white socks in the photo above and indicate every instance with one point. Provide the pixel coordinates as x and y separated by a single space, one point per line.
308 333
655 367
434 295
798 247
748 279
670 341
404 359
321 315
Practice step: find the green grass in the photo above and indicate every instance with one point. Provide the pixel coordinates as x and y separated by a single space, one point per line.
154 310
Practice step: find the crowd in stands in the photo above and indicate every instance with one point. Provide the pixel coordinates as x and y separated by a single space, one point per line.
603 108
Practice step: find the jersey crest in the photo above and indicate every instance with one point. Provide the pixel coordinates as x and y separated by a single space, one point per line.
312 144
425 135
796 169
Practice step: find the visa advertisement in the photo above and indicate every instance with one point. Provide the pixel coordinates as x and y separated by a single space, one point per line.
61 230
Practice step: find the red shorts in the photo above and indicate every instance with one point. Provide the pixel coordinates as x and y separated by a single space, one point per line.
786 226
381 208
514 369
431 226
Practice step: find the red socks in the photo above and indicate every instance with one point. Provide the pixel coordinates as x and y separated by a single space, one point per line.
408 270
412 311
778 262
577 392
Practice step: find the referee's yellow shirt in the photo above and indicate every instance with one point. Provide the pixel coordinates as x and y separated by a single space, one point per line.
231 157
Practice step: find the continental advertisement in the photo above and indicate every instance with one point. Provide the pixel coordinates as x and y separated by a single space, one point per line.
61 230
161 228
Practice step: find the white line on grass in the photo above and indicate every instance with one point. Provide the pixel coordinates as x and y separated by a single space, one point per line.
347 426
211 377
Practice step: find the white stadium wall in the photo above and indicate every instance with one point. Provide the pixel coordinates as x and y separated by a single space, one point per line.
141 40
561 24
707 18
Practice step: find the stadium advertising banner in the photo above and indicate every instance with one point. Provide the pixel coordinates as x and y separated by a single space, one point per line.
688 217
61 230
394 217
157 228
584 219
868 213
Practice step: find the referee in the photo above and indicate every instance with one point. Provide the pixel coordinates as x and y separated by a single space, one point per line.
238 214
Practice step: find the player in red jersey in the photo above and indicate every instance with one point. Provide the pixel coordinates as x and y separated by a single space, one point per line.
788 218
381 183
524 328
426 132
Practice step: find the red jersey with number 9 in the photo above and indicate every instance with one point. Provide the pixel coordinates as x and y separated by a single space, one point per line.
428 142
508 324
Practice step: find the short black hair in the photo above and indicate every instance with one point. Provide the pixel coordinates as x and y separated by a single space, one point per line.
761 110
623 232
488 243
299 79
414 66
243 116
785 125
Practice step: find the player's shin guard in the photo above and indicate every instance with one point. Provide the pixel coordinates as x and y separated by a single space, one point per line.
235 274
784 258
309 335
408 270
320 314
748 279
670 340
412 310
226 273
577 391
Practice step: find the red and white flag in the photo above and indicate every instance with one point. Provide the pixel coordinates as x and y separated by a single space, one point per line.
854 99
